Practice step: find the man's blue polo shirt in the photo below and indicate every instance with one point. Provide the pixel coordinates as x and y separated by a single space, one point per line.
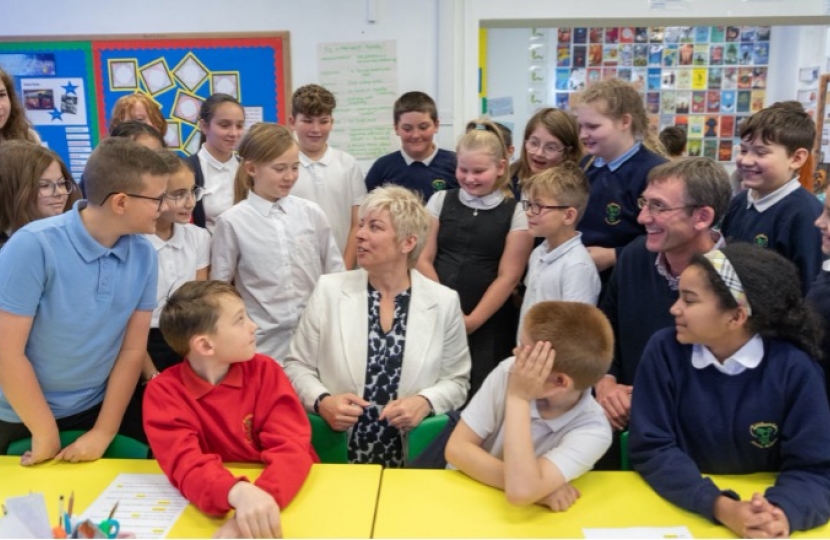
81 295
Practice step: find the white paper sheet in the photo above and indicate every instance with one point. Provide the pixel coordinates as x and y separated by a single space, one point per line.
148 505
639 532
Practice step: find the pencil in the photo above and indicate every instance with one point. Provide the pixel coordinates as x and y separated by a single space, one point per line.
114 508
60 512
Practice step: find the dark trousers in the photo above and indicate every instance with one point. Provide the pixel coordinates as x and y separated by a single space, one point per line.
84 421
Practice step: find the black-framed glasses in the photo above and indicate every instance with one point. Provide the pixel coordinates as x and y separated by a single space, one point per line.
655 208
536 208
549 149
46 188
179 197
159 200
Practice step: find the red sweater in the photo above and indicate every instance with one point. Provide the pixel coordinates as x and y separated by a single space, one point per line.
252 415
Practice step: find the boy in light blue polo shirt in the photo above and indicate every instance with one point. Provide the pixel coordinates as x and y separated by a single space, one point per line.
77 293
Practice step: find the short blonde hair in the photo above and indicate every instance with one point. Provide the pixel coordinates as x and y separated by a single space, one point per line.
579 333
407 212
565 182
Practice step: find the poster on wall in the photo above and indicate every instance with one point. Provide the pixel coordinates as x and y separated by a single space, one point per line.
52 80
704 79
180 74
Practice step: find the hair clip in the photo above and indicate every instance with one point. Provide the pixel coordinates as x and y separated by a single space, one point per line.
481 126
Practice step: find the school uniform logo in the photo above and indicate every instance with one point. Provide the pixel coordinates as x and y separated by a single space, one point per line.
248 427
612 213
761 240
439 184
764 434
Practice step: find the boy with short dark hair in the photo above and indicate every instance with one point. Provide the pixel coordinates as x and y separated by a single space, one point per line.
77 292
776 211
560 268
328 176
225 403
674 140
534 425
419 165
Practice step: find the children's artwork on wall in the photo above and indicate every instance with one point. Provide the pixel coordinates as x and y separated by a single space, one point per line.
52 79
179 73
70 85
695 77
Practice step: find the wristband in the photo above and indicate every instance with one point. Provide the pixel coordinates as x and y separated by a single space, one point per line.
320 398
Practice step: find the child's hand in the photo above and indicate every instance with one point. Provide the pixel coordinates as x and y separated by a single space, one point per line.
745 518
778 527
406 413
615 400
229 529
531 370
257 513
561 499
88 447
44 447
341 411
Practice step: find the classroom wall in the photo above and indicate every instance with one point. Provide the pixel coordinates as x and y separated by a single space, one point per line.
796 46
791 47
414 25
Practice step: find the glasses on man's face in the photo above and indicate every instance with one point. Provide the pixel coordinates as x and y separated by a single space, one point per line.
159 200
45 188
655 208
179 197
548 150
536 208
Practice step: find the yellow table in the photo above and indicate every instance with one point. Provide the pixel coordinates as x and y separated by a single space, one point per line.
336 501
448 504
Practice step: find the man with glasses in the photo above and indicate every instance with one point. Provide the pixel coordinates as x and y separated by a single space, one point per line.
682 201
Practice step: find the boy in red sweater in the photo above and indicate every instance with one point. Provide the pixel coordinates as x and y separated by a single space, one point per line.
224 404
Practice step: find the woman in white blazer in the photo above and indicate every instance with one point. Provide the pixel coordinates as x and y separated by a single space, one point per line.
380 348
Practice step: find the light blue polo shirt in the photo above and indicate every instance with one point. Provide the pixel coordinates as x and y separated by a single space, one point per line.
81 295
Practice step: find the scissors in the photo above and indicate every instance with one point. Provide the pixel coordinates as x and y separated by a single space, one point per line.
110 527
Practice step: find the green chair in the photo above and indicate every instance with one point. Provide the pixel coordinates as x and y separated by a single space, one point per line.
419 438
625 464
331 446
122 447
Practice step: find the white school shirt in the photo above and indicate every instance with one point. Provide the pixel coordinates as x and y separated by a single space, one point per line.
187 251
518 221
219 178
565 273
573 442
274 253
765 203
335 182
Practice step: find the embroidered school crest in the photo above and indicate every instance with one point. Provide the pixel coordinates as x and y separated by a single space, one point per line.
612 213
439 184
248 427
761 240
764 434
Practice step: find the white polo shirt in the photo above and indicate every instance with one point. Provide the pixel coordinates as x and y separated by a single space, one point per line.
573 442
187 251
335 182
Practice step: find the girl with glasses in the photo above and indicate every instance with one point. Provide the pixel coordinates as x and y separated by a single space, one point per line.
551 137
34 184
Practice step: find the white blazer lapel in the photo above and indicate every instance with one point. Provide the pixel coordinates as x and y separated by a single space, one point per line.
420 333
354 328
